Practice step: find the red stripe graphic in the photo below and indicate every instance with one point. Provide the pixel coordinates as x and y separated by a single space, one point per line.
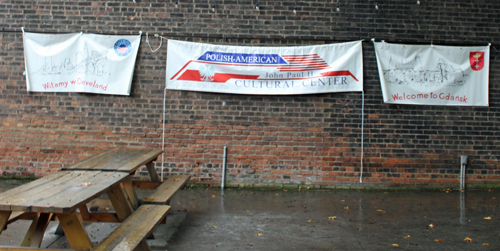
310 62
338 73
194 75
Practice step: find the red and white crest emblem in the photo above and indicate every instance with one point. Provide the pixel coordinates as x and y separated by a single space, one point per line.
476 59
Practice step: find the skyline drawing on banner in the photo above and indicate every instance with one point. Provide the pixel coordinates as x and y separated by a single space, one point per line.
413 72
84 62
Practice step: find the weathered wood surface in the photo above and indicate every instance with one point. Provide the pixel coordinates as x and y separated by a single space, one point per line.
73 228
133 231
166 191
122 160
61 192
5 248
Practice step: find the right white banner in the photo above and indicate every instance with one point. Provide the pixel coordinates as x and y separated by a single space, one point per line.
433 75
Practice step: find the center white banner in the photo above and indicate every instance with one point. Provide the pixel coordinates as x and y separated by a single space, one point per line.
264 70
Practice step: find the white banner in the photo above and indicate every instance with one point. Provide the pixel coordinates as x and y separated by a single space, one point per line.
433 75
80 62
265 70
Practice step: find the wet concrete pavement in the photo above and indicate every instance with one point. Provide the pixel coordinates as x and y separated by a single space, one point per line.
236 219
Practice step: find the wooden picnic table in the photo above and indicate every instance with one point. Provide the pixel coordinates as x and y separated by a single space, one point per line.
121 160
60 195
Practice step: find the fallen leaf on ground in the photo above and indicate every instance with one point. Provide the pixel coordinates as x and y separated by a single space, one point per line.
214 226
431 225
467 239
395 245
277 194
346 207
332 217
486 244
310 221
438 240
259 234
407 237
248 211
213 196
487 218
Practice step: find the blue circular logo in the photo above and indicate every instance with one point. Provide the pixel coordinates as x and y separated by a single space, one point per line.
123 47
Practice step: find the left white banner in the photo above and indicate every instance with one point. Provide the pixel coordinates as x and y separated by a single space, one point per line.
265 70
80 62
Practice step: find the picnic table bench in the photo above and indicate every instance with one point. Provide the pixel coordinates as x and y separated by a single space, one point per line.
65 195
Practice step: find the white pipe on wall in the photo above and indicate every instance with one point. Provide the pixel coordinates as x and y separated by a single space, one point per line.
463 163
223 167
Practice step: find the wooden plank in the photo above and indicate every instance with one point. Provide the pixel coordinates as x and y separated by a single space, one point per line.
100 202
31 199
15 215
80 193
127 160
120 158
166 190
102 217
143 246
4 217
152 172
84 212
74 231
129 190
135 229
120 203
18 215
91 162
145 184
38 185
145 158
6 248
43 222
31 231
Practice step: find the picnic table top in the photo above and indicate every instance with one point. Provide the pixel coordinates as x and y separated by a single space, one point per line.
124 160
60 192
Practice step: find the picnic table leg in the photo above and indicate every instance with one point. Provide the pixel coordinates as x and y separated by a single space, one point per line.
129 189
152 172
74 231
143 246
120 203
4 217
34 236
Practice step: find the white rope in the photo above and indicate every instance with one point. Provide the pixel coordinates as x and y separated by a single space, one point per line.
163 138
147 41
362 132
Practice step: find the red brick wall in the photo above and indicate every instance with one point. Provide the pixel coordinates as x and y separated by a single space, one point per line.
313 140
